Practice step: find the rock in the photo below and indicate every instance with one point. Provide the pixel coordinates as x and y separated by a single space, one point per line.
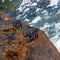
19 41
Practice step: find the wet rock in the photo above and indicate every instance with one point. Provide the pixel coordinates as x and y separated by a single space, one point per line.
38 47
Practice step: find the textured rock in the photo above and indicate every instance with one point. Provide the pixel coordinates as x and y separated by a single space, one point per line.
19 41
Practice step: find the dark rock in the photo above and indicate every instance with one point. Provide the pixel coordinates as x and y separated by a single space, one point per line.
17 24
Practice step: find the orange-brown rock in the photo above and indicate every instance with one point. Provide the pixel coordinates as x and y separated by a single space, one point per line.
19 41
4 16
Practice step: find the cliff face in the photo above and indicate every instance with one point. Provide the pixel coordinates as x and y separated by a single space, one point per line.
19 41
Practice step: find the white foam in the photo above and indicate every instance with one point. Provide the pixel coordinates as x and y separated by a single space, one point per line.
38 18
27 20
58 45
53 2
25 2
55 38
34 4
57 25
10 0
3 1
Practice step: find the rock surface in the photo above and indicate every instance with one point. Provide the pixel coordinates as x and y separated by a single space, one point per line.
19 41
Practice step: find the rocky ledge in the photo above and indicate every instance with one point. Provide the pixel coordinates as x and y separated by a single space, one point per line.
19 41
